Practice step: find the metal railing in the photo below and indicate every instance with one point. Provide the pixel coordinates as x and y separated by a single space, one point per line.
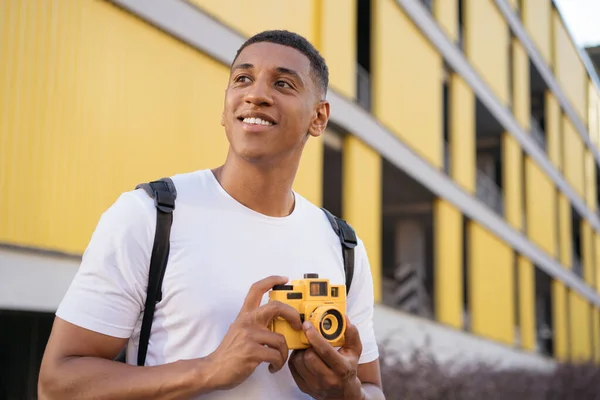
407 291
447 159
537 133
577 267
489 192
363 87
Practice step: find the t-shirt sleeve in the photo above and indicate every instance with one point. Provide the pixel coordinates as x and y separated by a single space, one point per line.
108 291
360 304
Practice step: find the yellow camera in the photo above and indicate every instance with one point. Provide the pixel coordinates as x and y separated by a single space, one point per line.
317 301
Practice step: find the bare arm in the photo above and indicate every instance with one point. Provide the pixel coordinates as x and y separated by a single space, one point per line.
369 375
78 363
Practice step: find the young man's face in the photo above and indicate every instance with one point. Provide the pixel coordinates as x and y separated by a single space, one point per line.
272 102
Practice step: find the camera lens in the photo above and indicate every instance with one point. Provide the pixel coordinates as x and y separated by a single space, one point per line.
332 324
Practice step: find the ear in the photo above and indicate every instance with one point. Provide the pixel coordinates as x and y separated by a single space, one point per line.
320 119
223 118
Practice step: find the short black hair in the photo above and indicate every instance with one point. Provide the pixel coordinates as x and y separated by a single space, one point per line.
286 38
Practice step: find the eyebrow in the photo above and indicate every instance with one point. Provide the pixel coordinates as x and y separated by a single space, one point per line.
281 70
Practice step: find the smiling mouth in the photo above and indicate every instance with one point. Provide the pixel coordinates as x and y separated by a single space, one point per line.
256 121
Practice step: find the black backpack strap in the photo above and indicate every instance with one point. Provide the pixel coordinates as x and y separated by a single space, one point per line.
164 194
348 240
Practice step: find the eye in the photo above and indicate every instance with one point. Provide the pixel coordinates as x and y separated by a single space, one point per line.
283 84
242 79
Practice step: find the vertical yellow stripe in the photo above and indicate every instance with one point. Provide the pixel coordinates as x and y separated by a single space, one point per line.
590 180
446 12
448 263
361 201
579 324
527 303
521 95
553 130
587 252
596 333
597 260
564 214
462 133
559 319
491 285
513 181
316 24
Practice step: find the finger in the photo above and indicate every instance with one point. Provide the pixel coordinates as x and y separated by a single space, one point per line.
275 309
297 361
271 356
352 343
258 289
297 377
324 349
274 340
315 365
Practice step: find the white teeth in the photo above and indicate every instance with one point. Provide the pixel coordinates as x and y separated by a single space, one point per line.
257 121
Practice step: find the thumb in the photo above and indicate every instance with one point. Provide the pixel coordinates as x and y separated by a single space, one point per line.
352 341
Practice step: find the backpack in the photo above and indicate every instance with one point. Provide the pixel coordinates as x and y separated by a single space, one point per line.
164 194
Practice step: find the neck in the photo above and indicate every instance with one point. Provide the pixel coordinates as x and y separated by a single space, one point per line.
266 189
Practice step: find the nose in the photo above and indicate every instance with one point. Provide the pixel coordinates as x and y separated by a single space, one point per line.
259 93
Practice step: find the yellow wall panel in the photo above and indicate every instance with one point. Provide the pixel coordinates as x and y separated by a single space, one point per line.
553 130
462 133
361 200
520 89
513 180
407 81
564 215
486 44
121 90
446 13
580 329
337 43
590 180
560 321
573 156
491 285
248 19
597 260
536 16
587 240
540 207
569 68
309 177
448 263
596 333
593 113
527 303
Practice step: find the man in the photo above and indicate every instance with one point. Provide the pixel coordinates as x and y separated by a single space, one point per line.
236 230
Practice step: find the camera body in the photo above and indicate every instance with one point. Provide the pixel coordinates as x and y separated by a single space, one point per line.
317 301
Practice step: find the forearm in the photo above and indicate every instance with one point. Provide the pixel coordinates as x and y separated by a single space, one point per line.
372 392
96 378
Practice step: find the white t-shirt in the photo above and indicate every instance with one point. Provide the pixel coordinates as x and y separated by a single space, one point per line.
219 248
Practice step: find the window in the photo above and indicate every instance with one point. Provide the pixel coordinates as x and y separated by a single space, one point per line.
363 54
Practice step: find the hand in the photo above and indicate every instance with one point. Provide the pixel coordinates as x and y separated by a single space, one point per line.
324 373
249 342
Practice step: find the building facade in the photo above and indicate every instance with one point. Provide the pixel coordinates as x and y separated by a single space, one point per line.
463 147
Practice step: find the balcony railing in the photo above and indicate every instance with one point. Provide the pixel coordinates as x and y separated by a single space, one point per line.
363 87
489 192
407 291
447 157
537 133
577 267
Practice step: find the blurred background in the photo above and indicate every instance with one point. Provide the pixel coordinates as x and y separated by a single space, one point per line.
463 146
